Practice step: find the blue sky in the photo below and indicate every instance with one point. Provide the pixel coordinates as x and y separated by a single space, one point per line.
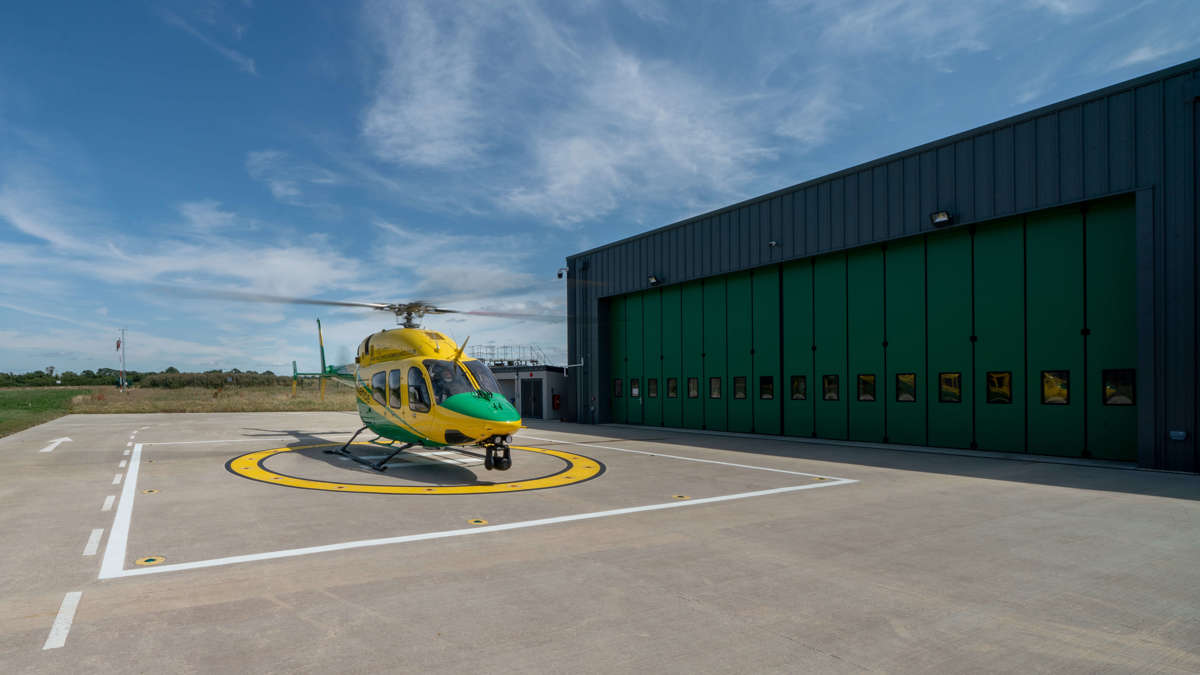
457 152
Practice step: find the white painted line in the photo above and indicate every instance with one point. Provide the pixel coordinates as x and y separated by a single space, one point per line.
108 572
689 459
93 542
129 444
117 479
126 453
121 464
108 502
54 444
248 440
62 622
118 536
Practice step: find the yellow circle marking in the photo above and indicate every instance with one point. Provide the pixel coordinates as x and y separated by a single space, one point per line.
477 521
149 491
149 560
578 468
681 496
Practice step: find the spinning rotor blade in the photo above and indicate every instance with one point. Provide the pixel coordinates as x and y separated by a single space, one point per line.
511 315
409 309
262 297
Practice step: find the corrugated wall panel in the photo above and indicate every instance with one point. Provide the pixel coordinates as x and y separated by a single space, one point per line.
837 213
1120 141
912 194
1179 201
812 220
879 205
1148 138
1095 148
1070 151
1047 158
1024 166
895 199
1005 186
964 180
848 220
929 189
947 198
825 240
984 174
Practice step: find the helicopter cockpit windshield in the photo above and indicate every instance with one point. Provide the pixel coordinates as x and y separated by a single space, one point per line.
447 378
483 376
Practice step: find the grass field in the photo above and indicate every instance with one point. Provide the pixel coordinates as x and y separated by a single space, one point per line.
25 407
29 406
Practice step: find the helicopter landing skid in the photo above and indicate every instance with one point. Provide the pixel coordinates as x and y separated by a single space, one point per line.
378 466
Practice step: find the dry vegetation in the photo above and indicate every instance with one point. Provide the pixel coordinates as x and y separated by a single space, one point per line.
199 399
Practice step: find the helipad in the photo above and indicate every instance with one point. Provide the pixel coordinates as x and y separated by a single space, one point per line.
689 552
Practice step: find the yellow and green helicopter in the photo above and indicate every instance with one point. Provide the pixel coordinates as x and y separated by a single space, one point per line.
415 386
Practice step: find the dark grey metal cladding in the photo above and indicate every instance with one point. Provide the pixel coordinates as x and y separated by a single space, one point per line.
1140 135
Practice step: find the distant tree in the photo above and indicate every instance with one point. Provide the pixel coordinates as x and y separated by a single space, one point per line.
171 369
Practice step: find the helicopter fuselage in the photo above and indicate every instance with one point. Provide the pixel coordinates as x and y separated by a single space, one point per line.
415 386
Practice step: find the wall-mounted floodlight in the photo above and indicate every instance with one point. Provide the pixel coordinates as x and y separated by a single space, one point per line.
653 280
940 218
772 243
562 271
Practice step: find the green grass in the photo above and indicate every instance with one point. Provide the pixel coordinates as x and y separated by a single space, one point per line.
26 407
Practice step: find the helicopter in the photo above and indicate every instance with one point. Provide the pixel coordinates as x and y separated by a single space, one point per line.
415 386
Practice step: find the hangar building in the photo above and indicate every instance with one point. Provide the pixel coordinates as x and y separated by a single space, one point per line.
1029 286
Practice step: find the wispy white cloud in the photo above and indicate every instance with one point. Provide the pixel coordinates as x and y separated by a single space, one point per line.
288 179
243 62
206 215
426 109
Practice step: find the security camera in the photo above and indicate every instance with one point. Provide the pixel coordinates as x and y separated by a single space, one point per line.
561 272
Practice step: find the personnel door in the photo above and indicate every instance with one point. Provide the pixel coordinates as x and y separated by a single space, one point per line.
531 399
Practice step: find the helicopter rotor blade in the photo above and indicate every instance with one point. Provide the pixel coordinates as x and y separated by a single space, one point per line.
264 297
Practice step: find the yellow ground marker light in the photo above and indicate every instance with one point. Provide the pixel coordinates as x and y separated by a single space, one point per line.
149 560
253 465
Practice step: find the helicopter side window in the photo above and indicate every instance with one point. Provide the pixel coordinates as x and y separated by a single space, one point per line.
378 392
418 392
395 387
447 378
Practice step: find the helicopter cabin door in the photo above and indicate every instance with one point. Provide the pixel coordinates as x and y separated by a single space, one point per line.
418 391
531 399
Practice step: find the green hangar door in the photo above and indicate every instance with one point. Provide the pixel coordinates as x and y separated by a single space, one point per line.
1016 335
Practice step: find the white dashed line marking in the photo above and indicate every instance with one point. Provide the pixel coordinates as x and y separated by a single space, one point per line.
129 444
108 502
117 479
122 464
93 542
126 453
62 622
